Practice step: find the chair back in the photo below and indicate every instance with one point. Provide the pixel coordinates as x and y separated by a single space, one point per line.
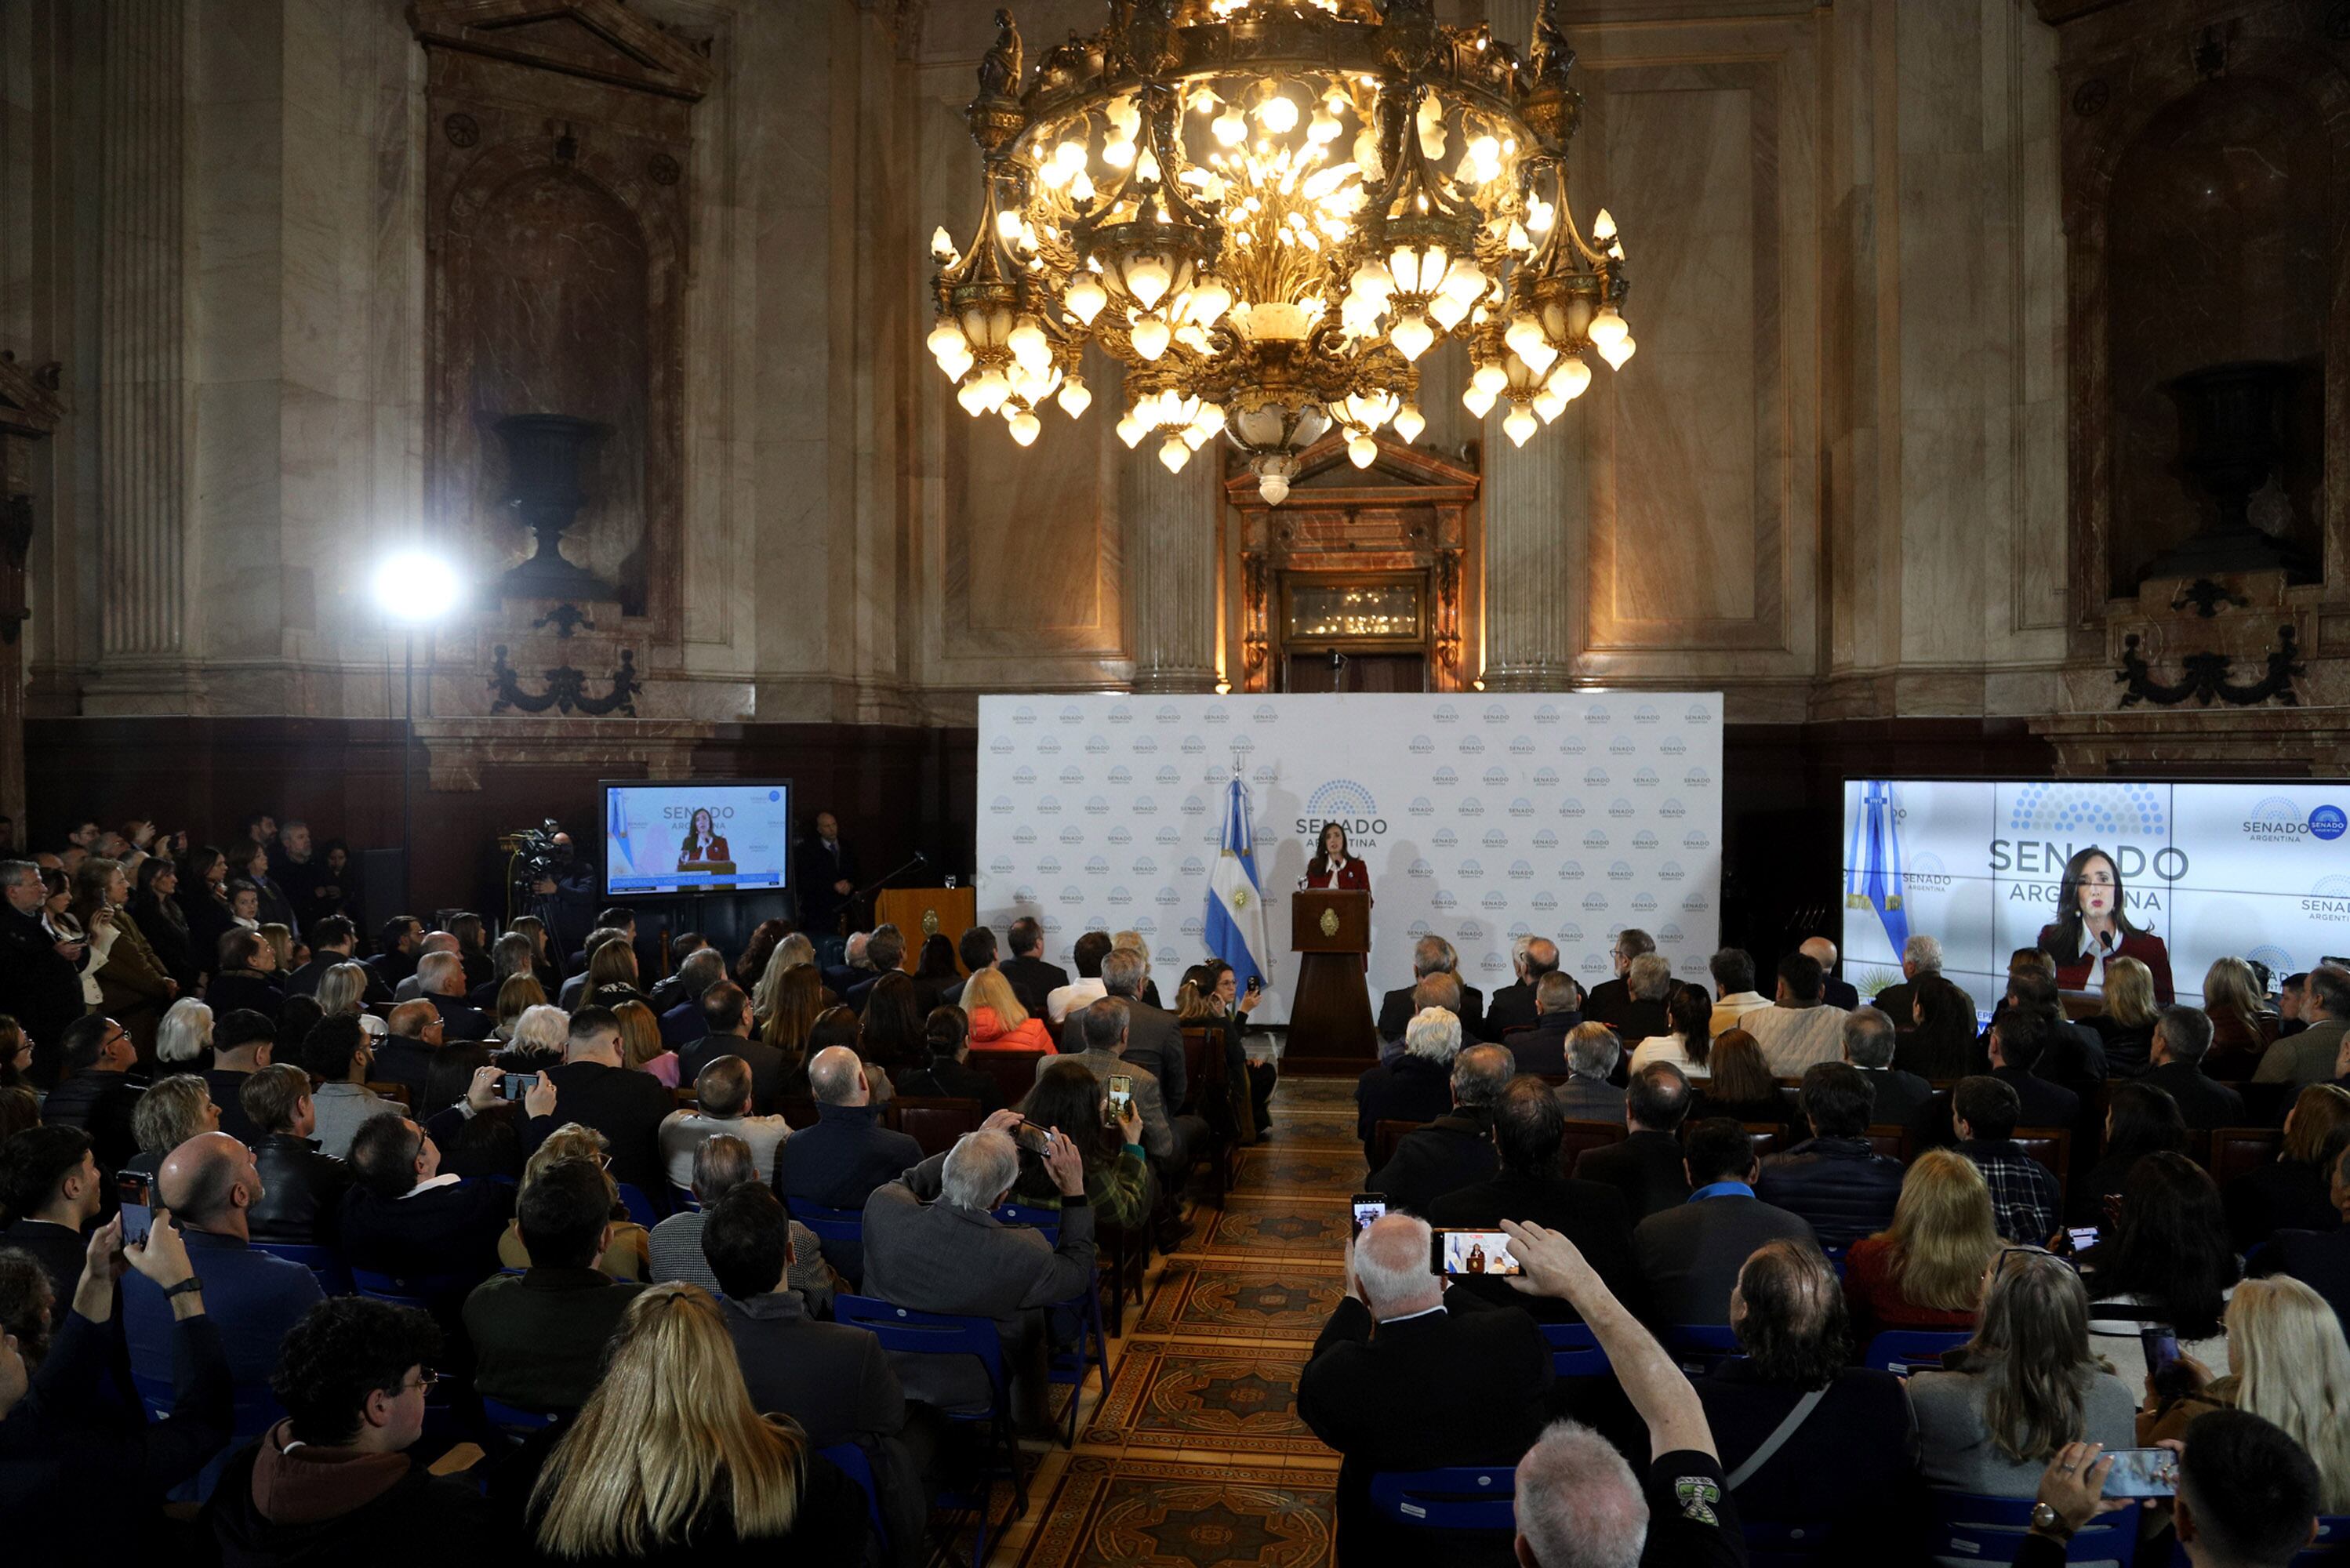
2052 1146
830 1224
1768 1138
1047 1220
1902 1350
1992 1529
334 1277
1892 1142
1583 1137
2237 1151
1014 1072
1699 1347
396 1093
905 1332
1463 1497
1574 1350
1204 1066
639 1207
857 1466
799 1111
1384 1136
422 1292
514 1418
935 1124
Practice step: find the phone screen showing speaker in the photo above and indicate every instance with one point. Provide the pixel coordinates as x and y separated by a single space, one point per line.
1369 1206
516 1085
1034 1138
1465 1253
2083 1237
1121 1095
2142 1472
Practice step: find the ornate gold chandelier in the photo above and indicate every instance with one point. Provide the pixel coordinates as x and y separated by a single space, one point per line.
1267 211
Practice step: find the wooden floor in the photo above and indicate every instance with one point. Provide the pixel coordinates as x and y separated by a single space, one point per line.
1195 1455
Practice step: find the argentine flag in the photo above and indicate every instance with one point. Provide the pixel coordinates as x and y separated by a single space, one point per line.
616 835
1235 923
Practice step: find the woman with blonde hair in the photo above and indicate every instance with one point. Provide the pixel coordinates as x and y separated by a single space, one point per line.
998 1021
2025 1384
2291 1367
612 976
1925 1269
280 937
343 989
2294 1191
640 1042
629 1257
2241 1024
518 994
2127 1025
668 1459
184 1038
168 1115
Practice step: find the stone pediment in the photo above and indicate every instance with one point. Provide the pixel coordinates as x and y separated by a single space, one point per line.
1325 473
602 39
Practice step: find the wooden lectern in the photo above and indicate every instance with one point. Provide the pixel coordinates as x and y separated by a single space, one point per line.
1330 1025
919 912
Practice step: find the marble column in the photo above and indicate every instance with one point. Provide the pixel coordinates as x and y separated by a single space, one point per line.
142 326
1170 556
1529 598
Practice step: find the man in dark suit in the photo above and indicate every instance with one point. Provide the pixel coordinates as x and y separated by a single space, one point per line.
1541 1046
681 1023
1417 1086
1409 1376
1154 1041
243 1040
440 981
1835 993
539 1336
1834 1178
40 985
1921 955
398 943
826 873
1528 1130
1432 955
334 939
2318 1259
1869 1042
2182 1036
403 1217
726 1031
53 1188
413 1034
1032 979
1647 1167
1592 1052
1691 1255
98 1095
1512 1006
1456 1148
1606 1001
885 949
2019 1039
976 949
838 1162
627 1106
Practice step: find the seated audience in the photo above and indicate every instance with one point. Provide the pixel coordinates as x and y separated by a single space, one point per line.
2140 1119
2165 1260
1527 1128
613 976
78 1483
1640 1013
1921 955
539 1036
1833 1178
96 1095
1690 1009
1836 992
1734 995
1417 1086
2125 1028
2071 1055
1410 1375
2290 1364
1512 1007
2025 1384
1440 989
642 1050
681 1023
340 1057
885 950
1647 1167
726 1031
1925 1269
539 1337
246 975
1073 1103
834 1380
627 1255
838 1162
2021 1040
1593 1052
2024 1194
1171 1141
721 1092
440 981
1939 1043
670 1462
183 1036
2318 1259
1869 1043
2182 1038
513 954
478 1129
2293 1192
949 1075
302 1188
1691 1254
1850 1457
596 1090
1800 1027
1456 1148
1431 955
242 1042
2241 1024
517 996
170 1112
1209 999
1578 1503
932 1243
1541 1045
413 1034
720 1165
403 1217
999 1020
1740 1085
2310 1056
51 1188
342 989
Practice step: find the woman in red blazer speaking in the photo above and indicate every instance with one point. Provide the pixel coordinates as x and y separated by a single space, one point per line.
2091 928
703 843
1332 866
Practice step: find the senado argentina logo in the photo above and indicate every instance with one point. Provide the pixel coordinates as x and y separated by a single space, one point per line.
1497 778
1545 778
1598 714
1421 746
1471 871
1497 714
1570 807
1346 803
1121 775
1522 745
1024 774
1121 833
1546 900
1167 776
1621 746
1595 839
1023 834
1670 808
1594 778
1419 871
1471 806
1049 867
1495 901
1620 808
1572 745
1001 805
1522 871
1098 745
1023 714
1620 871
1073 715
1048 745
1472 745
1445 778
1121 714
1001 745
1672 746
1644 903
2277 820
1644 839
1166 896
1073 834
1570 871
1421 806
1445 838
1495 839
1522 807
1546 715
1072 894
1545 838
1143 806
1072 775
2329 900
1193 746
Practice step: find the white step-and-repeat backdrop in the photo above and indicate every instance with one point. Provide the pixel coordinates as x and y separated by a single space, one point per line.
1479 818
2249 870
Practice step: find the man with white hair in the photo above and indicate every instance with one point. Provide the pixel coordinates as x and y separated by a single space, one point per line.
1592 1052
442 978
1921 955
411 988
1608 999
1432 955
932 1244
1822 953
1579 1505
1409 1376
1417 1086
1514 1006
1456 1150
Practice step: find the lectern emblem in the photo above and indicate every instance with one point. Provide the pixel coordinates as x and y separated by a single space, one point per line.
929 923
1329 922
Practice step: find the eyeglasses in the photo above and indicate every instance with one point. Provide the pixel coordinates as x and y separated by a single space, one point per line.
426 1378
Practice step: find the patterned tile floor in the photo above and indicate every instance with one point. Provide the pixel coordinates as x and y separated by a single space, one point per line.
1194 1455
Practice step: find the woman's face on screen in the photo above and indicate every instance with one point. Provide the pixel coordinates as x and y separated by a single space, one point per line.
701 823
1334 840
2098 889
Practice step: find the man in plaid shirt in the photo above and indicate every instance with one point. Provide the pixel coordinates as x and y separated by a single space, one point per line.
2025 1199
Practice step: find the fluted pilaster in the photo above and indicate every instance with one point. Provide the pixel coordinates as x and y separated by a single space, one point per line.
1529 602
142 321
1171 553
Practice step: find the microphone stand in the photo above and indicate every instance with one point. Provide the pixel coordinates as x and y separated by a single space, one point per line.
864 893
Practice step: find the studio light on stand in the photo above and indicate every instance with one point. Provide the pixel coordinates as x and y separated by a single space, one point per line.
415 590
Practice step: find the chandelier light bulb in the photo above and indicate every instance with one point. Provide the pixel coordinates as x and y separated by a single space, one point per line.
972 398
1075 398
1070 155
1211 419
1118 151
1538 356
1193 436
1278 115
1409 424
1603 227
994 388
1607 328
1571 377
1615 353
1362 451
1030 346
1411 336
1523 333
1174 453
1086 298
1129 429
1549 405
1207 304
1150 335
1148 280
1447 309
1229 128
1324 127
943 245
1477 401
1490 378
945 342
1025 427
1520 424
1484 159
955 364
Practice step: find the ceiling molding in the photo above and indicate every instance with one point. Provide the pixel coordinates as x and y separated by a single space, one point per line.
599 39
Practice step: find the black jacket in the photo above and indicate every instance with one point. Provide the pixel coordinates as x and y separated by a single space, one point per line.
422 1519
766 1064
946 1079
1467 1385
450 1232
1032 979
1541 1047
227 1088
2285 1195
1396 1011
628 1107
1844 1187
303 978
301 1191
1646 1168
401 1060
838 1163
1591 1214
235 988
1512 1007
1451 1152
1691 1254
169 938
60 1252
1409 1089
2320 1259
460 1020
38 988
1852 1464
2203 1100
101 1105
1900 1096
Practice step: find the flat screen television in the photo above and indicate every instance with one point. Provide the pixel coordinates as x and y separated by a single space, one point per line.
686 836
